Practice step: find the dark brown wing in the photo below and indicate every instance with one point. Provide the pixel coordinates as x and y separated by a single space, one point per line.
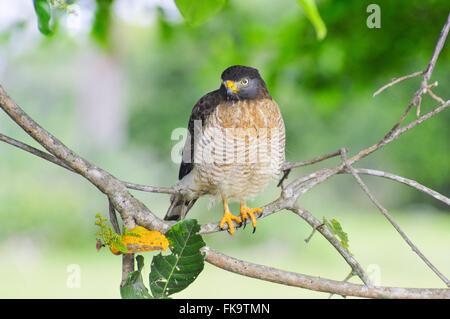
204 107
179 205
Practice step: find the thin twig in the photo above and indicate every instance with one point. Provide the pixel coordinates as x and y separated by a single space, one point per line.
34 151
316 224
320 177
401 179
312 233
391 220
397 133
150 189
416 100
397 80
432 63
297 182
290 165
435 97
287 166
283 178
396 126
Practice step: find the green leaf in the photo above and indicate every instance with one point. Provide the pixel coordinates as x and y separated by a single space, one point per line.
310 9
335 227
134 287
198 11
172 273
102 22
44 14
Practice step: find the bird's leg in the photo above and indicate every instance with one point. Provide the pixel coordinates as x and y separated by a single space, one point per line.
247 212
228 217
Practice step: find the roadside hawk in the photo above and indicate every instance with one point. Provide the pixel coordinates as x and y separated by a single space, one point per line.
234 148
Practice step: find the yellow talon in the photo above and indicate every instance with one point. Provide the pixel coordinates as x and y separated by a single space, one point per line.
247 212
228 218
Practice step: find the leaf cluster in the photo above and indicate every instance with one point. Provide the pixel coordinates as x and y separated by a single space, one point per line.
109 237
194 12
169 273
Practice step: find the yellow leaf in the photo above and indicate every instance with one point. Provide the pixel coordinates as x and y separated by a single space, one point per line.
149 240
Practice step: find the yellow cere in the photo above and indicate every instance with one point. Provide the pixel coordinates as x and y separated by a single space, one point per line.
231 85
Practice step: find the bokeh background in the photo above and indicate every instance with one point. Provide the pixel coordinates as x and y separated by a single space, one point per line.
114 89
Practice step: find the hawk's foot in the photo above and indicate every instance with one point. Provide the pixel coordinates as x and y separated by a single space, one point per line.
228 218
247 212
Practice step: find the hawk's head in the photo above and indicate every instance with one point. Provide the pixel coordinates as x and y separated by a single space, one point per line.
243 82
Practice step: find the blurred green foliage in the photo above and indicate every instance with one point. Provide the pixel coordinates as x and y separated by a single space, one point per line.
324 88
329 83
196 12
310 9
102 22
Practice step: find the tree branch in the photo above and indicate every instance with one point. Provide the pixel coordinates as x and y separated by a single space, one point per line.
150 189
427 75
35 151
57 161
317 225
402 180
287 166
391 220
290 165
288 278
127 205
429 70
398 80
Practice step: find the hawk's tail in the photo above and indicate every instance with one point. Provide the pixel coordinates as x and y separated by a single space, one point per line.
179 206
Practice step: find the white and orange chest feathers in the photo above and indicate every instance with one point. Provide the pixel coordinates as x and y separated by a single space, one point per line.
240 148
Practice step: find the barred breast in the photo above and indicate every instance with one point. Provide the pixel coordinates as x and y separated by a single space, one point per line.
240 150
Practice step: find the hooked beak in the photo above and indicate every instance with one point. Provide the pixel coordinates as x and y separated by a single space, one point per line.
231 87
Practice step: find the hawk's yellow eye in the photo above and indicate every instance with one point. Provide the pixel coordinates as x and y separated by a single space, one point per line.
244 82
